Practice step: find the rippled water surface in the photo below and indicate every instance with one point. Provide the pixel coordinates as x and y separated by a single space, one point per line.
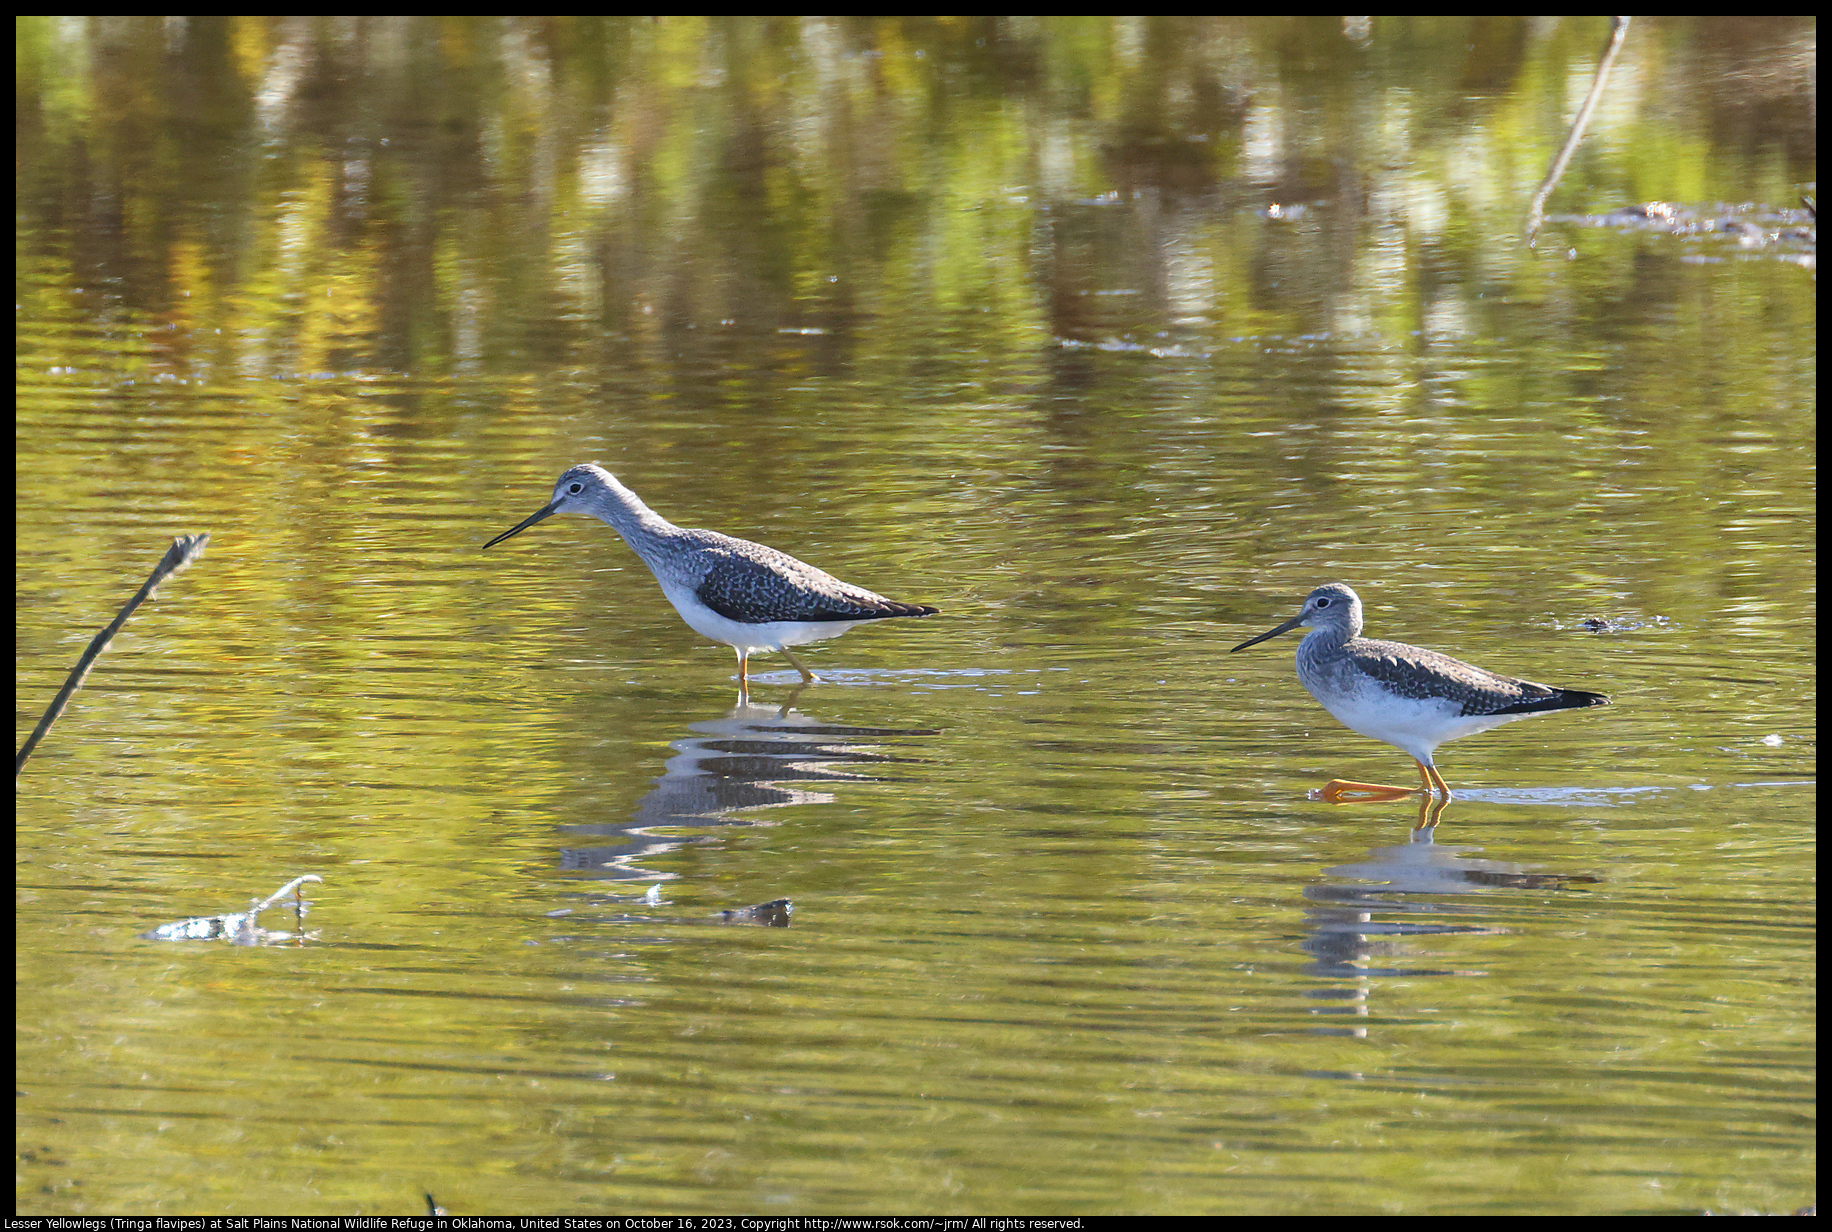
998 317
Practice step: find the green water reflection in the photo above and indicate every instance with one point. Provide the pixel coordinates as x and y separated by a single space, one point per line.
1109 337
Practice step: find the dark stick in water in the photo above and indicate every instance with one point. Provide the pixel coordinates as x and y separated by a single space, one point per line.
184 550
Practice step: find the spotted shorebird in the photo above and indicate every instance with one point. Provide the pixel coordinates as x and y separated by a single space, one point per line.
1412 698
751 597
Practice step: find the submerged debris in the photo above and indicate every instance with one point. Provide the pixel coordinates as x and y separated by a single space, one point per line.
773 914
238 928
1792 233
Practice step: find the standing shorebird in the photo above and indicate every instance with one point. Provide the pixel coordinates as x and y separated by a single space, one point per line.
748 596
1412 698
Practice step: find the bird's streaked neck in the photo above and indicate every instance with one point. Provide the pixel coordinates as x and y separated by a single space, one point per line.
625 510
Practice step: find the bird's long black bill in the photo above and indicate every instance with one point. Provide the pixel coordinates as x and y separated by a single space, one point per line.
544 514
1287 627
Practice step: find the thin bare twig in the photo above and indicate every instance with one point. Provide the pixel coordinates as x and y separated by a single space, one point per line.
1618 30
184 550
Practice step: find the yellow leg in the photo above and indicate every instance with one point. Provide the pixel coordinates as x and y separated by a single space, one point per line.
808 677
744 678
1434 780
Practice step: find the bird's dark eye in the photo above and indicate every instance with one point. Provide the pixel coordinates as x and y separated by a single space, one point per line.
575 488
1323 603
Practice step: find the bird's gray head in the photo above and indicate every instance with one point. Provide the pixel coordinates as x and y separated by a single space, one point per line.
578 483
1330 605
578 490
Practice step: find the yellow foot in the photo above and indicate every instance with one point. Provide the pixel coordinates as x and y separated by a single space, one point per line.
1343 791
1346 791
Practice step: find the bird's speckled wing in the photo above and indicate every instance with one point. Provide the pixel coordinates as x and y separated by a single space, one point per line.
753 584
